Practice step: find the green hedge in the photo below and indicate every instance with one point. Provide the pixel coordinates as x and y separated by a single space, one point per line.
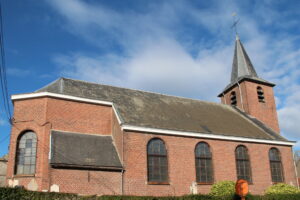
223 188
282 188
20 194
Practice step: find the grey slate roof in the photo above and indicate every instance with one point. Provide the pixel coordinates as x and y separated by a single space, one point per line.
241 65
242 68
152 110
83 150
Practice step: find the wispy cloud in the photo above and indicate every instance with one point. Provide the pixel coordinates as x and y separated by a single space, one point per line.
18 72
3 122
164 66
182 49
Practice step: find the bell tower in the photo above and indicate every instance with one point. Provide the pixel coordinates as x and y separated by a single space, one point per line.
248 92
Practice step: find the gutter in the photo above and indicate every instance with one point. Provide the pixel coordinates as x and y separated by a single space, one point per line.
147 129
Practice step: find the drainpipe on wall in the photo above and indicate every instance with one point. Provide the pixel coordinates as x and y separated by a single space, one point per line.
241 96
122 175
295 167
122 184
224 98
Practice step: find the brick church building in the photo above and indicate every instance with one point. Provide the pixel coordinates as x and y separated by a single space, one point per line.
86 138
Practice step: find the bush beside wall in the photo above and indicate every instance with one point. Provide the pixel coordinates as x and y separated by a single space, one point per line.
20 194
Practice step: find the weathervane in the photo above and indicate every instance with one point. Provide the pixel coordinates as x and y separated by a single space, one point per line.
235 23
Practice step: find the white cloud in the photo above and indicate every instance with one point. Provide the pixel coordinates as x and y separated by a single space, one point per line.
18 72
289 116
158 56
162 67
3 122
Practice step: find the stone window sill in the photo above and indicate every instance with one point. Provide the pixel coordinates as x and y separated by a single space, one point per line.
158 183
24 175
199 183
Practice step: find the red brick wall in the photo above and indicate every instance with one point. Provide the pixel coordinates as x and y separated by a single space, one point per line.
182 164
30 115
43 114
87 182
265 112
117 135
79 117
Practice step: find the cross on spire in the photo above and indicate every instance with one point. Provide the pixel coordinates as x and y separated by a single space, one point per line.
235 23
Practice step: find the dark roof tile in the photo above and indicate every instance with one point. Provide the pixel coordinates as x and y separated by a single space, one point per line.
152 110
83 150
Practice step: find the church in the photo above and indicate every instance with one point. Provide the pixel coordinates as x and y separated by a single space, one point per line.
79 137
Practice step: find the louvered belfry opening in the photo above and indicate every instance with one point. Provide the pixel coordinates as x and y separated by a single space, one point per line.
233 101
260 95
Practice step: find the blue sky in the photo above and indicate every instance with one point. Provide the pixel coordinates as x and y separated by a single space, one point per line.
182 48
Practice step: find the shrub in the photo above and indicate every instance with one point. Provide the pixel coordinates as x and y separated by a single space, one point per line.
282 188
223 188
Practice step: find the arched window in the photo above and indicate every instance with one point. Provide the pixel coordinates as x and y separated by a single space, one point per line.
203 157
26 153
275 165
233 101
157 161
243 164
260 94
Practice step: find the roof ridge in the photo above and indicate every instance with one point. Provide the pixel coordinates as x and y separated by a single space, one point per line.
52 82
157 93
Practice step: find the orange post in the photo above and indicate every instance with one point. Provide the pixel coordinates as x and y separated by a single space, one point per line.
241 188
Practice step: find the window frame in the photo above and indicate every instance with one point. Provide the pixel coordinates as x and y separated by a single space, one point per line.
17 153
243 159
205 158
152 182
274 161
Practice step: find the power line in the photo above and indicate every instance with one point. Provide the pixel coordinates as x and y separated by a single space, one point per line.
3 77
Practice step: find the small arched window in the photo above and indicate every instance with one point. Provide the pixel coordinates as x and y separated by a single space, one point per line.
275 165
260 94
204 169
243 163
233 101
157 161
26 153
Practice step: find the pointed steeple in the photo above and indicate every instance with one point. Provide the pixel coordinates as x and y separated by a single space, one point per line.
249 93
241 66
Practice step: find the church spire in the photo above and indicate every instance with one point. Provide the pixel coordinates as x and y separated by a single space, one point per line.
248 92
241 66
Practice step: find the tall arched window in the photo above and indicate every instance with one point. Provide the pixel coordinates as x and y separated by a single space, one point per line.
260 94
233 101
275 165
203 157
157 161
26 153
243 164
